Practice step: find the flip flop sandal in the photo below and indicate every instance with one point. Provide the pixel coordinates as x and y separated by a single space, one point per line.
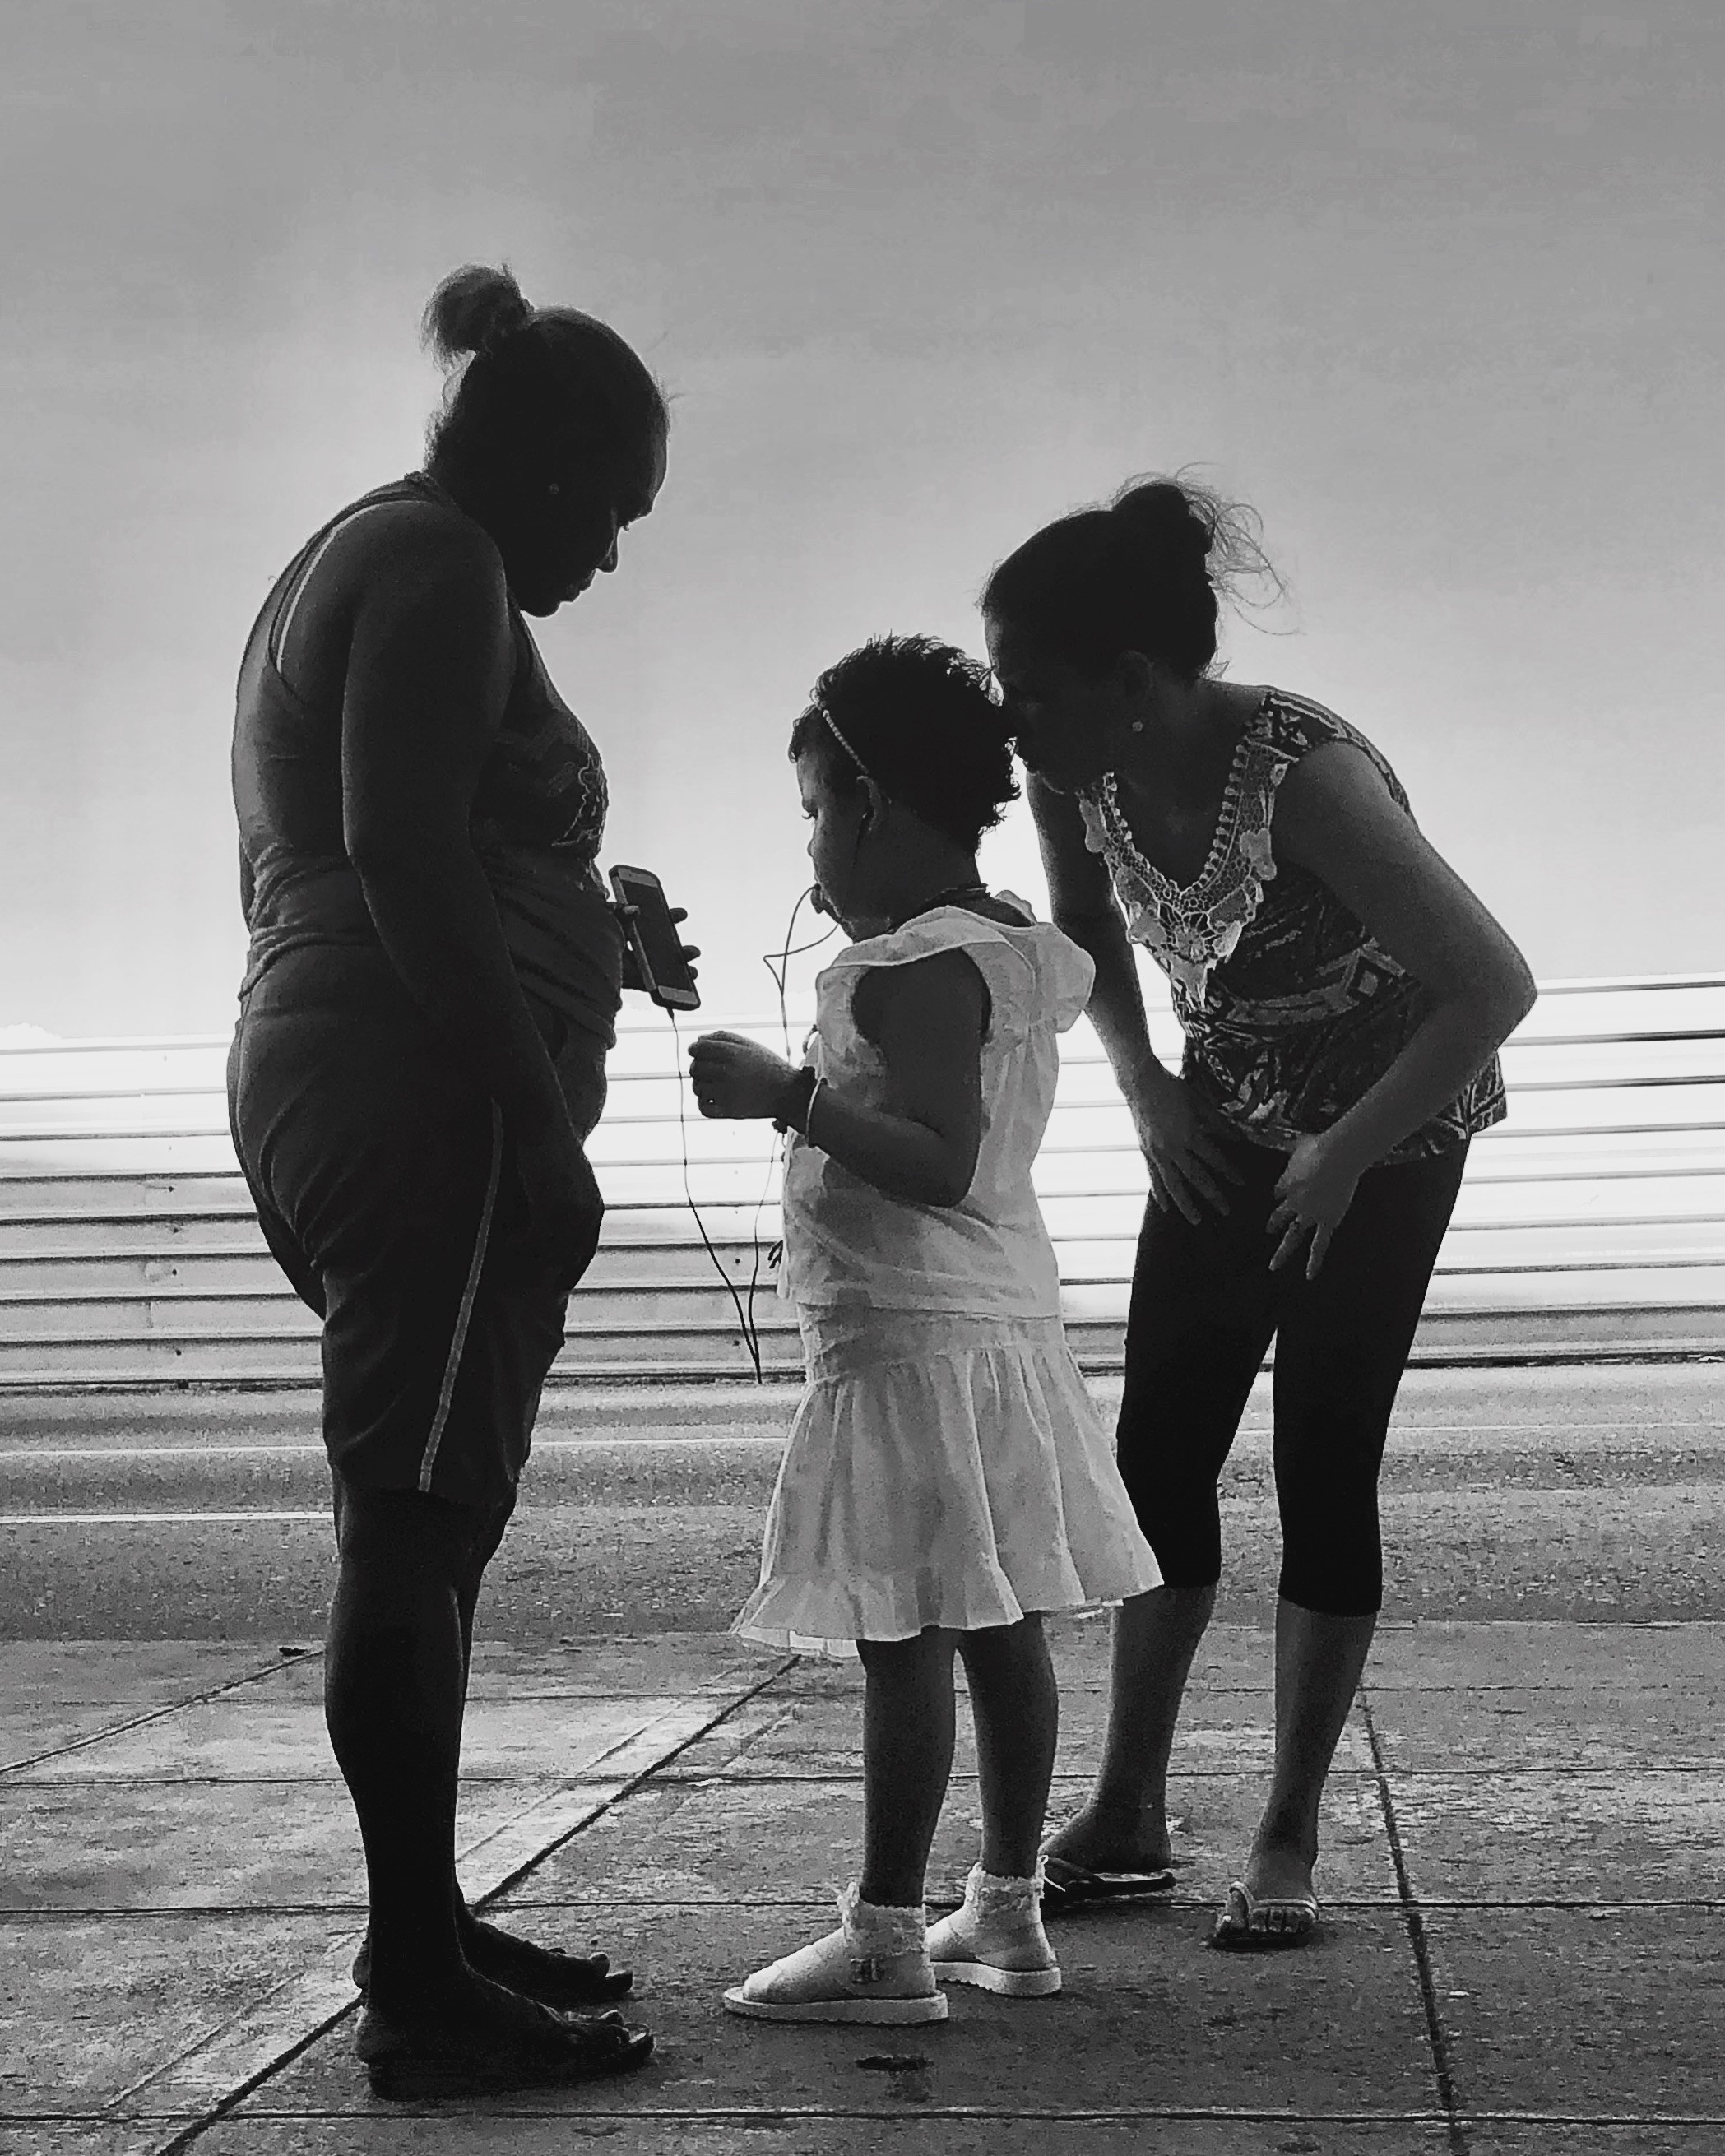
407 2065
1066 1886
547 1973
1250 1925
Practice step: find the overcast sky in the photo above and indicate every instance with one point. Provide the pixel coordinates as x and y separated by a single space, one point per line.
1437 287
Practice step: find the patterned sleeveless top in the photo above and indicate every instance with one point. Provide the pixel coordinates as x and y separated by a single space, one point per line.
1291 1012
537 819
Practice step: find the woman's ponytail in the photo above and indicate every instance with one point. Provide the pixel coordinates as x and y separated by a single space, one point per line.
1145 574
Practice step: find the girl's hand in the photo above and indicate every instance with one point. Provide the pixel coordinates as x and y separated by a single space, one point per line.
1180 1138
737 1078
1315 1190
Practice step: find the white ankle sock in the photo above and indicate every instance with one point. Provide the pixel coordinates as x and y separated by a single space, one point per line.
993 1894
877 1928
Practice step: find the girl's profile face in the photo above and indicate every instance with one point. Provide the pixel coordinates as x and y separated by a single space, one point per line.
835 841
1067 724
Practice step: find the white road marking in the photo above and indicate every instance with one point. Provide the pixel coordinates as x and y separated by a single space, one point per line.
149 1519
12 1456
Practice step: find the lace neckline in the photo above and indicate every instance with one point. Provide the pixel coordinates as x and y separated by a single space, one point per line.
1223 838
1191 928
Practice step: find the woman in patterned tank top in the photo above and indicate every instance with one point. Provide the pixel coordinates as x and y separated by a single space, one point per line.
1343 996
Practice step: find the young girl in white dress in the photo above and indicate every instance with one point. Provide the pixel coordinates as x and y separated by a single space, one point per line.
947 1480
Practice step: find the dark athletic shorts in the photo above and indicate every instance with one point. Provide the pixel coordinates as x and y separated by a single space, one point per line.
386 1186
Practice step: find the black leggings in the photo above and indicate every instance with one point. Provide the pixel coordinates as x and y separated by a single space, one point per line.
1205 1307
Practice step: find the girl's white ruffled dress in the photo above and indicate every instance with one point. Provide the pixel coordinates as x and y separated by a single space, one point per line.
947 1465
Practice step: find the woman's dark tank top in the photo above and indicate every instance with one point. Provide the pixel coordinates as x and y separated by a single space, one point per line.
538 817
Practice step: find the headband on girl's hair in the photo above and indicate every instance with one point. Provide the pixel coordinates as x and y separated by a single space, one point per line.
845 745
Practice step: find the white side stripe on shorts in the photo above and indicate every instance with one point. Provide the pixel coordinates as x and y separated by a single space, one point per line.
464 1317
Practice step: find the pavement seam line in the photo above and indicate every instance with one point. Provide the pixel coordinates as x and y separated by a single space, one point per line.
195 2130
160 1714
1091 2114
1436 2035
629 1788
177 1912
483 1777
224 2104
770 2117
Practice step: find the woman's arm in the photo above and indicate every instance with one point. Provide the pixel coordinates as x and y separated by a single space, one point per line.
928 1020
1188 1169
430 663
1081 902
1336 818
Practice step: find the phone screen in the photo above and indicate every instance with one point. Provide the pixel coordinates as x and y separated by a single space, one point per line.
658 943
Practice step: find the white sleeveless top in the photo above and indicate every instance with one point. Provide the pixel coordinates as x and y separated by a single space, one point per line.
845 1242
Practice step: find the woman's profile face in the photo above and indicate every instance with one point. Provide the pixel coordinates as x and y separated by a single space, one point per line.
1067 724
564 539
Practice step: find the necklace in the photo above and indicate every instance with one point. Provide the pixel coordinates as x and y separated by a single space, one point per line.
953 895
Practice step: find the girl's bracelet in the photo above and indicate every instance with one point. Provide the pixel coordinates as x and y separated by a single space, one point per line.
798 1100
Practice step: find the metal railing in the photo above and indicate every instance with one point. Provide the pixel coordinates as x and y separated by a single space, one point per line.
1591 1223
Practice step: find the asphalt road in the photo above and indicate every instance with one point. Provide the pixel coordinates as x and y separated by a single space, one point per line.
1593 1493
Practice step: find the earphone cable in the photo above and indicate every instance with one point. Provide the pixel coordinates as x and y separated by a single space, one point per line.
779 965
745 1316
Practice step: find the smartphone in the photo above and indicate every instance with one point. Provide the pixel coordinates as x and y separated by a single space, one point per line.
655 939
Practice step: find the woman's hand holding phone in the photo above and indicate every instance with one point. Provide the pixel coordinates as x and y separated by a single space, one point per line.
656 962
631 965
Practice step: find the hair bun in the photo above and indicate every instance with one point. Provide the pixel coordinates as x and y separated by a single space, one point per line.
473 309
1161 512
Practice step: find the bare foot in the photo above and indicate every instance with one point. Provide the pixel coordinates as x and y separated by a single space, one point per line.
1110 1841
545 1973
1278 1873
554 1978
470 2037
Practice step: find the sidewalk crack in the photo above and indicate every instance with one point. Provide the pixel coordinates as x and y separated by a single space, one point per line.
523 1871
282 1660
294 2045
1414 1917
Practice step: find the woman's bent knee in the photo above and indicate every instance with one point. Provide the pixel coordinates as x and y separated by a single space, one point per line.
1338 1587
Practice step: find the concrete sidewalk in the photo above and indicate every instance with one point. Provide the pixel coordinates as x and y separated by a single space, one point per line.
1524 1949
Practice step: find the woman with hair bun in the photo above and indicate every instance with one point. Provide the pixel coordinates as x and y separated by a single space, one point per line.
432 985
1342 995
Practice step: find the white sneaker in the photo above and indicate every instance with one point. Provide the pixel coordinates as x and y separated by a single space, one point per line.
874 1968
996 1940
